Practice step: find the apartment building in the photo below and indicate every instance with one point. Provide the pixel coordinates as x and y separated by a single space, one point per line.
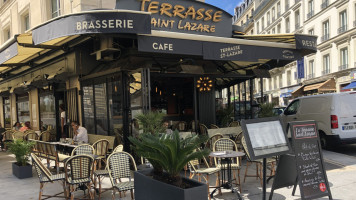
329 69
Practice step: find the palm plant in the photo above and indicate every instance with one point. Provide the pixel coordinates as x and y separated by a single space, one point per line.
152 122
21 149
167 152
266 110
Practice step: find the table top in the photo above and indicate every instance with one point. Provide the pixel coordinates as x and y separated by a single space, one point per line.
64 144
226 154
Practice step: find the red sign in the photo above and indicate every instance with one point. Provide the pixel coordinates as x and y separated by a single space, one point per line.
322 187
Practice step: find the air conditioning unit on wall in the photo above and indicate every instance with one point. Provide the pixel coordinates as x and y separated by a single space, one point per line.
104 49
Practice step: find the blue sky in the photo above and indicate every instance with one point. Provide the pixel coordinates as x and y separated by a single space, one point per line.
227 5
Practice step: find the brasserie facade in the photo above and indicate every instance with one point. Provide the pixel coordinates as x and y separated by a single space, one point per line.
106 66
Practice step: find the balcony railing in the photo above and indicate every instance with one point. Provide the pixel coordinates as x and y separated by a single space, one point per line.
297 26
324 4
342 67
310 76
310 14
287 7
325 37
324 72
342 29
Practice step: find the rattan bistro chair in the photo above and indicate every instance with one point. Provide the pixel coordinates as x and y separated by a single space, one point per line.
18 135
7 137
45 136
195 169
119 167
45 176
31 135
101 149
84 149
119 148
226 144
79 171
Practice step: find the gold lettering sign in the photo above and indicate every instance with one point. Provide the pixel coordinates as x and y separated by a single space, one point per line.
200 15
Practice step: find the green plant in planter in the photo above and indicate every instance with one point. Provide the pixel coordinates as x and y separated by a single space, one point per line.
225 116
266 110
152 122
168 153
21 149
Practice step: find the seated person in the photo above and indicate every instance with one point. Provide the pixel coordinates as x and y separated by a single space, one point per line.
26 127
16 126
168 130
80 133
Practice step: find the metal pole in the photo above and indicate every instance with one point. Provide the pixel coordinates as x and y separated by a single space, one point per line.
264 179
195 104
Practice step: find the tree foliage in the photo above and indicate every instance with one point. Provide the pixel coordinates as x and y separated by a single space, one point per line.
21 149
151 122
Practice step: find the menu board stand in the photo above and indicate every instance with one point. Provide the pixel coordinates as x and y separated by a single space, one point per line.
264 138
308 171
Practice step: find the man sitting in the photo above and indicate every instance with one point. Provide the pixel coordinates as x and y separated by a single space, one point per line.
80 133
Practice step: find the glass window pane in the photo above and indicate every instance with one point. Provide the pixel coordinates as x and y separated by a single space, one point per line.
7 112
115 106
101 109
88 104
136 90
47 111
23 110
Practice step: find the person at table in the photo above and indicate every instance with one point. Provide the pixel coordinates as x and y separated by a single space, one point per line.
16 126
166 126
63 120
26 127
80 133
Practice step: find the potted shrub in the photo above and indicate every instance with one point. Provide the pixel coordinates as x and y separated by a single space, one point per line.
266 110
168 155
151 122
21 149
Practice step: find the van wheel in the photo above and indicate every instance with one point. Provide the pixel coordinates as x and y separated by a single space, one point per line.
323 140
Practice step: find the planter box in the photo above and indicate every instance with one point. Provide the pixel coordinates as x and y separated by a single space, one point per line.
147 188
22 171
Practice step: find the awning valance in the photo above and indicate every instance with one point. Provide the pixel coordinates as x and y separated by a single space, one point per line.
327 86
350 86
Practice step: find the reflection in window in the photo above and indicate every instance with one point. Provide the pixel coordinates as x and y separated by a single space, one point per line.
47 111
23 110
101 109
115 106
7 112
88 102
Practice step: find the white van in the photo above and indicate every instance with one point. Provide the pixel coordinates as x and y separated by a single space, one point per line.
334 113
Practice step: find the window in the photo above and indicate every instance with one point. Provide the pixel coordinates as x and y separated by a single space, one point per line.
47 109
311 31
289 77
326 64
275 82
26 22
102 102
279 28
258 27
326 34
311 69
270 84
297 19
7 112
56 8
246 18
278 9
343 59
7 34
263 23
268 18
343 22
273 14
287 5
273 31
292 108
287 25
23 110
324 4
310 9
280 81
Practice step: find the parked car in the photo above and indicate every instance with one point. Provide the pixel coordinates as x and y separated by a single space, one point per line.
334 113
278 110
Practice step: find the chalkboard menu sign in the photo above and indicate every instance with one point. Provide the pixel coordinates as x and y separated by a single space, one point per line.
312 179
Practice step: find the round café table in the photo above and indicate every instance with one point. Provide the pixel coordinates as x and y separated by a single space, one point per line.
226 157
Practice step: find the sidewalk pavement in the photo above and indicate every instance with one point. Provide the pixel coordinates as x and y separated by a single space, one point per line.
340 168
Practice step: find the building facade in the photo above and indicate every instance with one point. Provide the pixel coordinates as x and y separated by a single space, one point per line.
329 69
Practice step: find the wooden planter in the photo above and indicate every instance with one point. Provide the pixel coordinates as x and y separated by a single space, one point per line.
147 188
22 171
